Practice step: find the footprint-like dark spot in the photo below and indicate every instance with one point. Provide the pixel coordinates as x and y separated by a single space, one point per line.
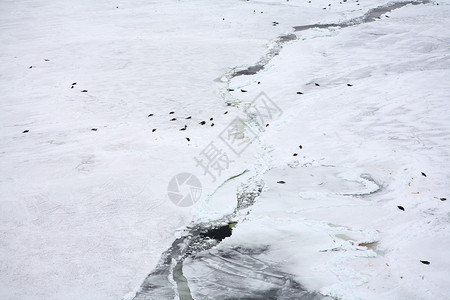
154 129
230 90
423 174
267 125
316 84
202 123
299 93
244 91
225 112
348 84
25 131
211 119
425 262
84 91
295 154
31 67
94 129
212 124
150 115
301 147
173 119
188 139
281 182
171 113
184 128
401 207
442 199
74 83
188 118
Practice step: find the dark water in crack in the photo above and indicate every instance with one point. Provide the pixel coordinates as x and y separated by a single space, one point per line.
252 70
238 273
168 275
217 234
249 71
371 16
184 292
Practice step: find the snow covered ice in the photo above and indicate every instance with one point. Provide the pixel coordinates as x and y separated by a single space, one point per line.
88 148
